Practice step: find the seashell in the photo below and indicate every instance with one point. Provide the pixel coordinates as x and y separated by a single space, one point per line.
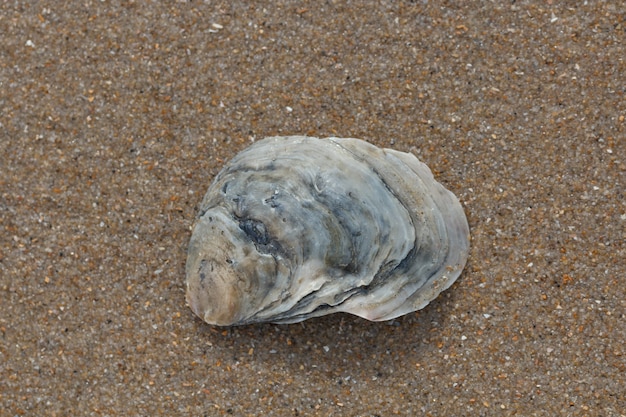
298 227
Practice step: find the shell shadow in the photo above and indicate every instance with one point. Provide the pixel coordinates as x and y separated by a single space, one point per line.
339 346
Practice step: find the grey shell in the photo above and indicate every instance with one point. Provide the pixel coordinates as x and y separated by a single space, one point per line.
298 227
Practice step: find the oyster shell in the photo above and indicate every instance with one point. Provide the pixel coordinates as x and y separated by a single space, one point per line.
298 227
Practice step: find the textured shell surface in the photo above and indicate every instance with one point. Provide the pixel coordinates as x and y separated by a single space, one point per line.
298 227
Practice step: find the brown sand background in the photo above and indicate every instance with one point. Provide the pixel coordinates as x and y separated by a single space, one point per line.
115 116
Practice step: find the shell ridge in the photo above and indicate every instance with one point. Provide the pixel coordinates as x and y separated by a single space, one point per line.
420 173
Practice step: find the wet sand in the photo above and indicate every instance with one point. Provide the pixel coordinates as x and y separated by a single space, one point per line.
115 118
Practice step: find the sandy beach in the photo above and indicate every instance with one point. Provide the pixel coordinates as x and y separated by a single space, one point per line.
116 116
